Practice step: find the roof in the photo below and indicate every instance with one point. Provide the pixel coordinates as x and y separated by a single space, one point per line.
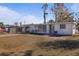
50 23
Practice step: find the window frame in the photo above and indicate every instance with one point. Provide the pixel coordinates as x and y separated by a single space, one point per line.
62 26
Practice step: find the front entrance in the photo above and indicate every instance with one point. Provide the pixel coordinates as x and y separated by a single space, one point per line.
51 29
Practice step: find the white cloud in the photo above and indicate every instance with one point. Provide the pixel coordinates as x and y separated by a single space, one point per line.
10 16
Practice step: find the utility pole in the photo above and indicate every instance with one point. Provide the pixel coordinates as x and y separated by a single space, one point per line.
45 7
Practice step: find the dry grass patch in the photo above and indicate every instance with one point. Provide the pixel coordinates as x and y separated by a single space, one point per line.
40 45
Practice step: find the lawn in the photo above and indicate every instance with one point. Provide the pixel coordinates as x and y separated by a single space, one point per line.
39 45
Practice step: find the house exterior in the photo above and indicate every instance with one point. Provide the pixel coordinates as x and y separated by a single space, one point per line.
64 28
34 28
57 28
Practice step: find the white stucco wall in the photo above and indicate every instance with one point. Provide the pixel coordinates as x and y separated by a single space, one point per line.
69 30
73 29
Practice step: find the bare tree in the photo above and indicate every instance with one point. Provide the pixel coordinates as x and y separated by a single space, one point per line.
62 13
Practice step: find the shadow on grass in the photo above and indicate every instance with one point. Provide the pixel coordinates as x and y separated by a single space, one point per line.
28 53
57 44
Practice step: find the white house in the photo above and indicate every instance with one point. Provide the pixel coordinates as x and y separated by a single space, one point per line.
63 28
57 28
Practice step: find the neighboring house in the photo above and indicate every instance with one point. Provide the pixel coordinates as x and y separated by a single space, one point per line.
11 29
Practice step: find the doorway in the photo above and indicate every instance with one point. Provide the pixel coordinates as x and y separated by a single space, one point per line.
51 29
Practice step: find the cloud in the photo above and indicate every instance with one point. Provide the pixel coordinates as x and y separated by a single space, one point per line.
9 16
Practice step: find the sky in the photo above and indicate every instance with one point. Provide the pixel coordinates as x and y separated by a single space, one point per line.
28 13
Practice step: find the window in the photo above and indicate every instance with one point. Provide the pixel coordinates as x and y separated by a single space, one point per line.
62 26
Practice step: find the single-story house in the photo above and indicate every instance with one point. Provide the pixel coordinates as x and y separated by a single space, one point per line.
63 28
57 28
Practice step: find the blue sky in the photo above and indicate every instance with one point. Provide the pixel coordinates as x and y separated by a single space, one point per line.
27 12
24 8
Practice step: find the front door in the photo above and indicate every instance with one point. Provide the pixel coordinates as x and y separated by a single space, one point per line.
51 29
